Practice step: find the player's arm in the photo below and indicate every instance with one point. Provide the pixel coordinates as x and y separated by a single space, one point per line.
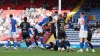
88 20
65 27
28 26
21 25
54 21
18 26
31 29
78 23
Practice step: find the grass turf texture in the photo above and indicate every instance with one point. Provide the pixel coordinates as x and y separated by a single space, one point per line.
39 52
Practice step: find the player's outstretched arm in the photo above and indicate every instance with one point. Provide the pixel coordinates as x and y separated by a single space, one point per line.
54 21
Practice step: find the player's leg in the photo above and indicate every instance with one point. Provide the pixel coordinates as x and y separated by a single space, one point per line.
8 41
15 39
41 40
67 43
24 35
8 44
55 35
28 41
15 43
68 47
81 45
36 37
81 41
41 37
30 35
85 40
63 36
90 44
36 40
53 46
50 47
40 33
58 44
86 44
58 40
62 46
89 41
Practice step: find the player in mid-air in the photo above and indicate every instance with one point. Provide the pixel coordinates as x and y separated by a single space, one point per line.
12 32
39 34
61 39
25 27
83 33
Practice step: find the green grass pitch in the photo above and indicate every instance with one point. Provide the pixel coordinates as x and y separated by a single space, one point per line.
39 52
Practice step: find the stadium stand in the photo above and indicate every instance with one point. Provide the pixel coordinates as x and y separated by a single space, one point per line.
21 4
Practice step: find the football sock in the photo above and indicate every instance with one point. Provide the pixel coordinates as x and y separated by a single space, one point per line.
15 43
90 45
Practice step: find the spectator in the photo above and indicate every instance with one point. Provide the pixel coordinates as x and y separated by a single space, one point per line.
1 11
54 8
41 5
2 2
13 2
24 7
47 6
13 8
70 25
53 3
8 8
90 17
65 15
33 1
32 9
94 17
76 29
98 30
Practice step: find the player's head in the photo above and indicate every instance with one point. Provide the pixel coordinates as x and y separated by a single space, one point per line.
82 14
56 12
60 16
10 15
25 19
